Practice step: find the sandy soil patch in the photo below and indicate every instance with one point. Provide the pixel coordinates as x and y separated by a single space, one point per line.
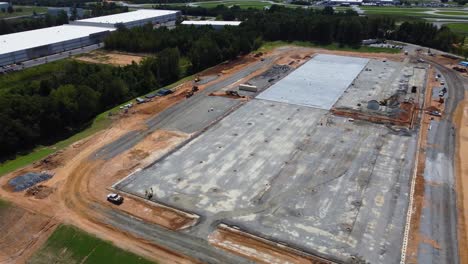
112 58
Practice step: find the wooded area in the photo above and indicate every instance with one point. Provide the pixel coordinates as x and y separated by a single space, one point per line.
53 101
23 24
44 104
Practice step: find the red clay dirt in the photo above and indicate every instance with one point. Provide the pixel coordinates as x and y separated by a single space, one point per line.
419 203
461 162
80 182
258 249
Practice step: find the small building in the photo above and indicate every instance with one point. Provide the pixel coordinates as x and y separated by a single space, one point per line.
214 23
346 2
4 6
55 11
381 2
131 19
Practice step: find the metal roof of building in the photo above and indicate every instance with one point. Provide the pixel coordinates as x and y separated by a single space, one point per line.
45 36
211 23
129 16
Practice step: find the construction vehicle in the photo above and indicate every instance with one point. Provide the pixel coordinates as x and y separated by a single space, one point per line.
459 69
258 54
188 94
391 101
233 93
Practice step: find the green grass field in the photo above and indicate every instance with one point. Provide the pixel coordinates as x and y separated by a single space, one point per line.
25 11
4 204
461 28
70 245
241 4
275 44
416 12
452 13
395 9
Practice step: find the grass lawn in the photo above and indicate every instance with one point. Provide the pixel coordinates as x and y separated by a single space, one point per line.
70 245
395 9
241 4
450 13
25 11
416 12
4 204
461 28
274 44
342 8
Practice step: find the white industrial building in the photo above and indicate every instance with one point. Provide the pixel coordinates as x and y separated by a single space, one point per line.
131 19
4 5
346 2
215 24
28 45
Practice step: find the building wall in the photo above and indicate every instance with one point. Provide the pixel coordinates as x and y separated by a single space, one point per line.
137 23
37 52
4 6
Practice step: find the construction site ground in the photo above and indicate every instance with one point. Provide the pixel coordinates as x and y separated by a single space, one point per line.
307 181
286 173
110 57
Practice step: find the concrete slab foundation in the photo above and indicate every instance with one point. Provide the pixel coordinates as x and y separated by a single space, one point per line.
318 83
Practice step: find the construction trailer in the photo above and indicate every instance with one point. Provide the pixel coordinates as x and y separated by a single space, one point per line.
249 88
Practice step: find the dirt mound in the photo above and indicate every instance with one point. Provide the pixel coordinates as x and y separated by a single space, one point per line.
40 191
138 154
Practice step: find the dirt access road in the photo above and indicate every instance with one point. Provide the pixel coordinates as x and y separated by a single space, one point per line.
437 226
82 180
78 190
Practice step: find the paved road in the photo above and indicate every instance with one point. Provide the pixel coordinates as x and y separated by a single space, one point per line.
180 110
57 56
63 55
176 241
439 217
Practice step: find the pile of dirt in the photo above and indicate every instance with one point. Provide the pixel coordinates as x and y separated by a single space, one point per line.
138 154
40 191
50 162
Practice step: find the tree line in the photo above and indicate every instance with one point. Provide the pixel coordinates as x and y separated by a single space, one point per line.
53 101
278 23
24 24
50 102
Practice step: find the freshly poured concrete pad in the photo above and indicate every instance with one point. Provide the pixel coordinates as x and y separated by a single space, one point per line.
343 195
295 175
318 83
232 163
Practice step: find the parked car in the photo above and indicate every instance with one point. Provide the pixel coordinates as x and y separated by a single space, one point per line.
115 198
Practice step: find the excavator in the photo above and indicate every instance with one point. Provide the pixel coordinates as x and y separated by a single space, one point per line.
190 93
